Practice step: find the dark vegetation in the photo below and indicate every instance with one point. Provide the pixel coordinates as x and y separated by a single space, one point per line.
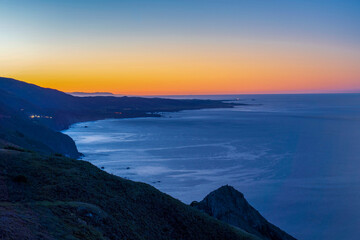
15 148
31 116
20 179
50 197
229 205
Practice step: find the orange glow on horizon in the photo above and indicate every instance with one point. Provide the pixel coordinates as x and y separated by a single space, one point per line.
182 47
195 69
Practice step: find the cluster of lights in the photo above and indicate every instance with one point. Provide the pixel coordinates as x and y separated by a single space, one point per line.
39 116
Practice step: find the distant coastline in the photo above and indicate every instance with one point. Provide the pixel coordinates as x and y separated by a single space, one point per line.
91 94
25 107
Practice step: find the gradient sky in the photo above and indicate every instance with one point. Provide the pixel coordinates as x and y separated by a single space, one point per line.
182 46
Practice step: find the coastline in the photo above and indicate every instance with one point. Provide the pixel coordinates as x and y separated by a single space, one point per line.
225 104
280 157
148 115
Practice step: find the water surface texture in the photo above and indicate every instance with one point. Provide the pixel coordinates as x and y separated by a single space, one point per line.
295 157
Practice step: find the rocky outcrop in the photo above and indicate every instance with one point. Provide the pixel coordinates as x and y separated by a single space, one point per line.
229 205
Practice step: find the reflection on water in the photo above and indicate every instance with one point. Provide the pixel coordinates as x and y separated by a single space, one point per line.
295 157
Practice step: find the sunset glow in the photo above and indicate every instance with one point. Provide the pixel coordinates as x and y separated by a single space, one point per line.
179 48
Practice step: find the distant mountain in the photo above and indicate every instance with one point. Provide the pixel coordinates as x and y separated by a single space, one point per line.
30 114
229 205
91 94
34 96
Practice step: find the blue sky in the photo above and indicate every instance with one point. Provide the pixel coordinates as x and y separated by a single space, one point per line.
226 26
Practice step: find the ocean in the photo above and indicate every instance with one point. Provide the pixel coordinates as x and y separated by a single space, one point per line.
296 158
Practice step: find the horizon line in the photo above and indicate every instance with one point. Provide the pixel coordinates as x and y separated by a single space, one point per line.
219 94
284 92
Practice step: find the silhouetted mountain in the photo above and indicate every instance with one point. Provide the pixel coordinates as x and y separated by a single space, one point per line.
29 113
65 109
38 97
229 205
90 94
59 198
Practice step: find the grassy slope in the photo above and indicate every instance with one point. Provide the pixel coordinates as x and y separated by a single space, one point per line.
45 197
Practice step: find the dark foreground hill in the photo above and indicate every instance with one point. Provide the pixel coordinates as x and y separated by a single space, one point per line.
44 197
229 205
31 116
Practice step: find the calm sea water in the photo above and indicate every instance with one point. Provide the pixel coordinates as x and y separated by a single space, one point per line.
295 157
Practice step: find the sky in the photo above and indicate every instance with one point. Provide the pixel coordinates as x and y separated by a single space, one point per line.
162 47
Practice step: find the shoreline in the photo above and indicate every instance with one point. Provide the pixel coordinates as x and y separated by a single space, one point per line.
225 104
153 115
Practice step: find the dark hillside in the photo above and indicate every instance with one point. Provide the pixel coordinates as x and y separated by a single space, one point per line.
44 98
59 198
17 130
